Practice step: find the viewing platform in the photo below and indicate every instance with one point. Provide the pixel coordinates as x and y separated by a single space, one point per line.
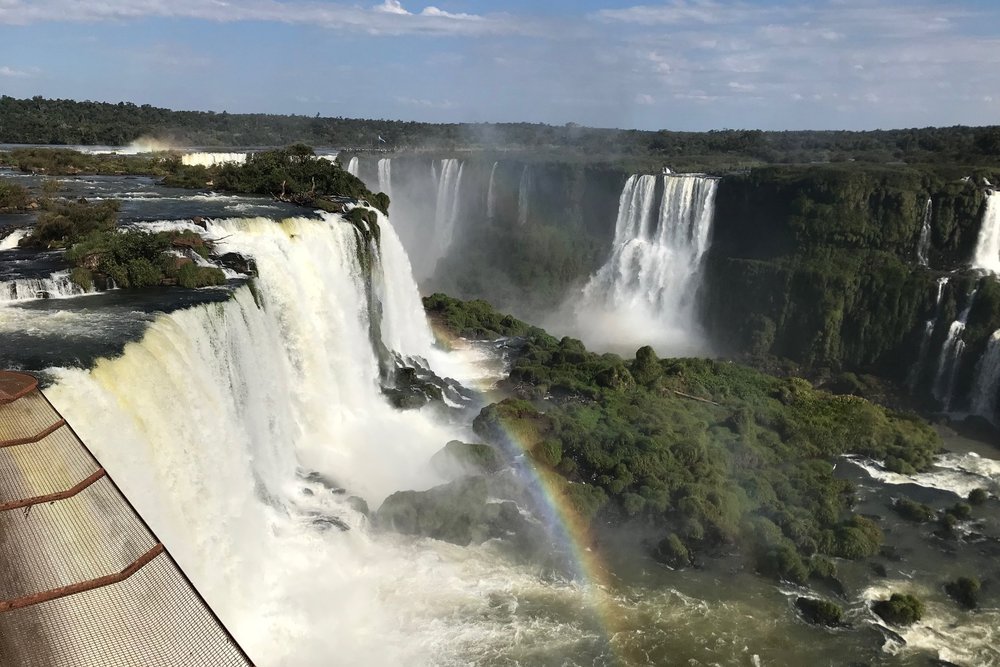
84 581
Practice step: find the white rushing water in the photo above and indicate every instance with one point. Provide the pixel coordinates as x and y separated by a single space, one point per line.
924 243
491 194
212 159
352 166
385 176
987 253
449 184
206 421
55 286
645 292
986 393
523 195
950 359
10 241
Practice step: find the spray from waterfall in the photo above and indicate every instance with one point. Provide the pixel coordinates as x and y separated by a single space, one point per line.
986 394
523 194
924 243
646 291
491 194
987 253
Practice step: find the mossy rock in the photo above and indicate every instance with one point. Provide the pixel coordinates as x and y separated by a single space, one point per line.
899 609
819 612
462 458
965 591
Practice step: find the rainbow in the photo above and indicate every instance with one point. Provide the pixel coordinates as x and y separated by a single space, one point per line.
569 528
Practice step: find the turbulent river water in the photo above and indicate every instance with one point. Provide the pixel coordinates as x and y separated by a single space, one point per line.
230 416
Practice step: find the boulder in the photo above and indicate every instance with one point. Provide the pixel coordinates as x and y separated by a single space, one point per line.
457 459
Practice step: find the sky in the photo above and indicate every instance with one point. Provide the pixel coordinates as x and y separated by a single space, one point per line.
678 65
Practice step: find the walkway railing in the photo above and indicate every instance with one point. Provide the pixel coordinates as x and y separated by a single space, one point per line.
83 579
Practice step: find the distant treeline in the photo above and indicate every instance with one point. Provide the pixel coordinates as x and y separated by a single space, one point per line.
67 122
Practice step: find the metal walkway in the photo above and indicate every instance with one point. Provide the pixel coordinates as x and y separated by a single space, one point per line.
83 580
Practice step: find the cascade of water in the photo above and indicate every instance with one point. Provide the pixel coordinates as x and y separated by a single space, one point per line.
986 395
211 159
491 195
925 343
210 419
950 359
987 253
10 241
352 166
646 290
523 194
385 176
449 183
56 286
924 244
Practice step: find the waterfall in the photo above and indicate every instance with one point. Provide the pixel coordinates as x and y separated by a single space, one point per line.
950 359
211 159
352 166
986 395
523 192
924 244
449 183
925 342
987 254
385 176
210 420
491 195
56 286
10 241
645 292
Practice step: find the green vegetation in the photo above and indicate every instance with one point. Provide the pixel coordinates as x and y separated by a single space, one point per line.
913 511
13 197
98 251
714 456
978 497
965 591
44 121
67 162
474 319
899 609
820 612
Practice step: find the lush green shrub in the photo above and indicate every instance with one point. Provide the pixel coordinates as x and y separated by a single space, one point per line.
13 195
899 609
671 550
913 511
965 591
63 223
820 612
978 496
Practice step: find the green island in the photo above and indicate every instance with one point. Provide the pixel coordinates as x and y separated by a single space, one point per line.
711 457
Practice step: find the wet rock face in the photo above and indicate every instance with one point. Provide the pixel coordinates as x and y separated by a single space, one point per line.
462 458
460 512
238 263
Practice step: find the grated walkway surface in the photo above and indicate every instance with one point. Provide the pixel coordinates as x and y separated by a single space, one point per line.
83 580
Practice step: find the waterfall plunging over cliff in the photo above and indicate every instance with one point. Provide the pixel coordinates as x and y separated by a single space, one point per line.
449 183
385 176
924 243
212 159
352 166
646 291
232 425
491 194
986 394
56 286
925 342
987 253
951 356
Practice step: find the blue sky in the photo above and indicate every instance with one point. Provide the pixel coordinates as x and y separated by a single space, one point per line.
680 64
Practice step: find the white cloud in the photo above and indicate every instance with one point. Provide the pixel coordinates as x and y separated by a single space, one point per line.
425 103
387 18
12 73
644 99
